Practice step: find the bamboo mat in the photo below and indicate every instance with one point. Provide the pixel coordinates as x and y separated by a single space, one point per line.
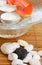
33 36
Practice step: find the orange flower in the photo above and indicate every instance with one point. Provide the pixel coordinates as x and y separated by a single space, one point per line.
10 2
23 7
26 11
21 3
21 13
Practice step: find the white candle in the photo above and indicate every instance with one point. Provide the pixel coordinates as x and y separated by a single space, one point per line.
2 2
10 18
8 8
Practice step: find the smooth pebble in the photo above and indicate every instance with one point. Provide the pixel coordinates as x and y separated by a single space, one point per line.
27 58
40 52
12 56
34 62
22 42
15 56
33 53
29 48
16 45
36 57
23 64
18 61
7 48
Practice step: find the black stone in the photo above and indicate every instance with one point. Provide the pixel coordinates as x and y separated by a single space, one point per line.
21 52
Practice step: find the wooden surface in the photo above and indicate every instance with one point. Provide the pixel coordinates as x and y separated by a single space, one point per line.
33 36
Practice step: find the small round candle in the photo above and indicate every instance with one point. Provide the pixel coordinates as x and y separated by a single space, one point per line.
8 8
2 2
10 18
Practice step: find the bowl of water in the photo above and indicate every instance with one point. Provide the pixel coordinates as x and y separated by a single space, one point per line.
20 27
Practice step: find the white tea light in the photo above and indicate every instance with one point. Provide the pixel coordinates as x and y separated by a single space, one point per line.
10 18
2 2
8 8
